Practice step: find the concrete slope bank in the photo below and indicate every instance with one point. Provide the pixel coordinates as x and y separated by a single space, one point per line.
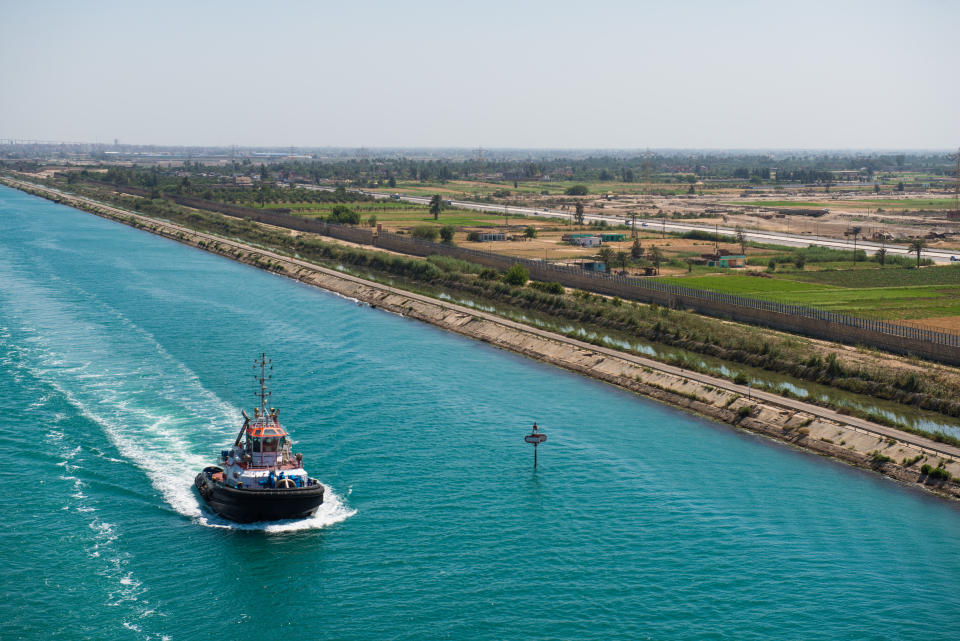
814 428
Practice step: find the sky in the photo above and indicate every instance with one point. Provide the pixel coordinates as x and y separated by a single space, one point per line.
601 74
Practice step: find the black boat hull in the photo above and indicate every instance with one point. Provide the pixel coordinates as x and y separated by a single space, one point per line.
248 506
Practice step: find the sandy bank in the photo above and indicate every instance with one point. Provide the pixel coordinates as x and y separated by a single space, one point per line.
820 430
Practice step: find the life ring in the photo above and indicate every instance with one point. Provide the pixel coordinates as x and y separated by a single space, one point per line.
286 484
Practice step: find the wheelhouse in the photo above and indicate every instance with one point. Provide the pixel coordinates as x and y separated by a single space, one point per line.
265 443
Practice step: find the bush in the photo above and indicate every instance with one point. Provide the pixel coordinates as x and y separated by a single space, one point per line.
745 411
934 472
772 265
516 275
577 190
530 232
473 237
450 264
550 288
813 254
699 234
446 234
741 379
900 260
425 232
372 221
488 274
343 215
940 473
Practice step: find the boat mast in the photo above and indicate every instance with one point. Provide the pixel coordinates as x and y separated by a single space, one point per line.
264 364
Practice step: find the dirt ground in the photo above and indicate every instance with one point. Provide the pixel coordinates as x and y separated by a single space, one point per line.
549 246
951 323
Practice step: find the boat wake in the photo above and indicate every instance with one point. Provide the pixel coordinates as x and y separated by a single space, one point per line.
144 400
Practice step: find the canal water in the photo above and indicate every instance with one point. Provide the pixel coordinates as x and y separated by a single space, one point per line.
126 358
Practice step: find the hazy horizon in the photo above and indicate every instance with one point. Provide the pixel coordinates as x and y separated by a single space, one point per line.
825 77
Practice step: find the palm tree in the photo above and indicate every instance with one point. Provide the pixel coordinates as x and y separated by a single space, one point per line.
854 231
917 245
606 255
623 259
436 204
742 239
656 257
578 215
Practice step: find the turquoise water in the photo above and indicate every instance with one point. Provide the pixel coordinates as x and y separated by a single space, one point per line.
126 359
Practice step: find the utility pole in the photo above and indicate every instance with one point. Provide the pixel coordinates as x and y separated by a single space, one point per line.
646 172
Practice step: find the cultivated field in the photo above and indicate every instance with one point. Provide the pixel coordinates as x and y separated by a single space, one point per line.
894 293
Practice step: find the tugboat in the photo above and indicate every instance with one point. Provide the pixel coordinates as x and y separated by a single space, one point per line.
258 479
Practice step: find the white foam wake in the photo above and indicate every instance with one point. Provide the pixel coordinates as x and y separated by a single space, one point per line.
152 408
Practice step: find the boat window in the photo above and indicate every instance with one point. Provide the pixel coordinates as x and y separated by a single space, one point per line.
256 444
270 444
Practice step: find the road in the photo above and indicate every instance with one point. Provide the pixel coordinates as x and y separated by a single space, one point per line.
778 238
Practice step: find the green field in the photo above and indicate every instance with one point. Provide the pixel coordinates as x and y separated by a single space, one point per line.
871 293
908 203
948 275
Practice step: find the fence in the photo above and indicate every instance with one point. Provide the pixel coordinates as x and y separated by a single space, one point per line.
935 345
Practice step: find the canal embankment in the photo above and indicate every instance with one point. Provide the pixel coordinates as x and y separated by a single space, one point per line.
906 457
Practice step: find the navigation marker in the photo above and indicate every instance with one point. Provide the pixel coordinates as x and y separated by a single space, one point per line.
535 438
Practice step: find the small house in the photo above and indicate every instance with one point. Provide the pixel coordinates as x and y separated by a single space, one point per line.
594 266
725 260
492 236
587 241
613 238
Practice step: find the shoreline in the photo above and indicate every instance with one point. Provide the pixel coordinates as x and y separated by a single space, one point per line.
809 427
